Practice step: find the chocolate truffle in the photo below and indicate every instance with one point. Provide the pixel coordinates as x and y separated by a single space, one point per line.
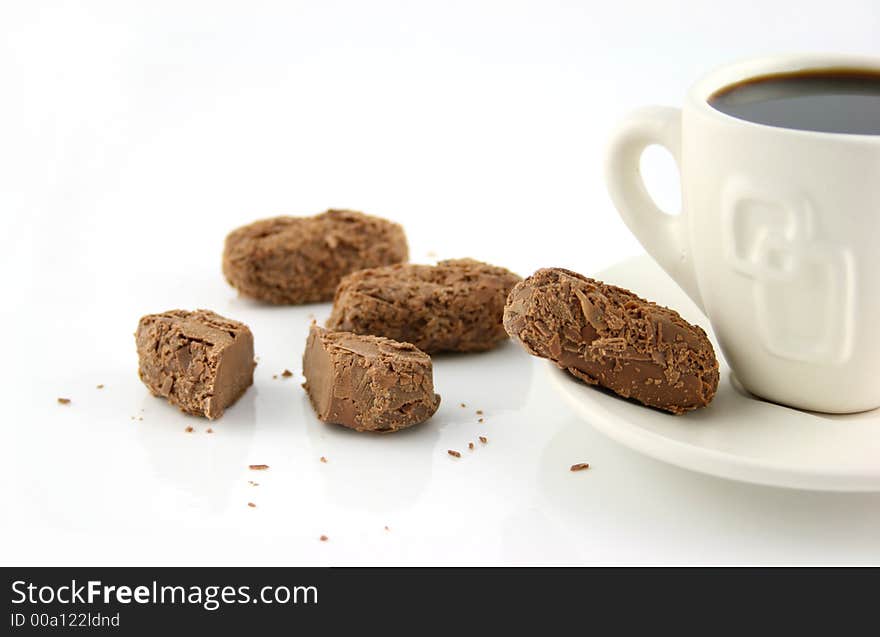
608 336
368 383
200 361
456 305
292 260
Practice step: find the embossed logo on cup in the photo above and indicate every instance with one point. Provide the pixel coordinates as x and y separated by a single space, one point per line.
803 287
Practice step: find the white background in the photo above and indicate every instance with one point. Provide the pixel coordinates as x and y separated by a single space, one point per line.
134 136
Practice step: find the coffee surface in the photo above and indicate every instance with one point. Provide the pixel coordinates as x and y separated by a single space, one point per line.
824 100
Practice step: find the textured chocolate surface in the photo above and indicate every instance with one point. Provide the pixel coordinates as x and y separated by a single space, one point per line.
368 383
291 260
200 361
608 336
456 305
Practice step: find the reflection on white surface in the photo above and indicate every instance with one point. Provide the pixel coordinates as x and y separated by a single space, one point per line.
92 485
381 473
197 469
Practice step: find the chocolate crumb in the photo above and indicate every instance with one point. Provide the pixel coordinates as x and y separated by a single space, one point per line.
252 505
323 459
209 430
470 445
324 538
258 467
580 466
287 373
479 412
64 401
483 439
453 453
188 430
463 405
479 420
99 386
275 376
140 418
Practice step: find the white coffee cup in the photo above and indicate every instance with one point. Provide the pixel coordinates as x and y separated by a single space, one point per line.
778 240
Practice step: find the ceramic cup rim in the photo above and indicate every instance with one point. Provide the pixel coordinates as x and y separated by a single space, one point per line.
739 71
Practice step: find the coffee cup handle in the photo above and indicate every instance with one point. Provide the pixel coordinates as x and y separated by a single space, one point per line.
664 236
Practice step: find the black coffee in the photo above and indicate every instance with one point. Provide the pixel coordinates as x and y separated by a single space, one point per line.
826 100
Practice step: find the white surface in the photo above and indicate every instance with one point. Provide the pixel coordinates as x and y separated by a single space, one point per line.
776 241
738 436
135 135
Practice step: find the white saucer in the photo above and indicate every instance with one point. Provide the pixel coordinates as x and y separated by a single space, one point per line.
737 436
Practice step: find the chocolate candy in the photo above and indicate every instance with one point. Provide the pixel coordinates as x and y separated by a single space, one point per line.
456 305
200 361
608 336
368 383
292 260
